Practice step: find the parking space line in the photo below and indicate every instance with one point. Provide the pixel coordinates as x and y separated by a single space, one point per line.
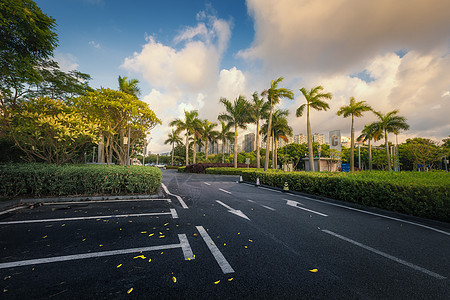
103 201
184 245
10 210
88 218
221 260
183 204
398 260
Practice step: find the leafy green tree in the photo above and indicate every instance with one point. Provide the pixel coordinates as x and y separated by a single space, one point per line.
236 115
314 99
294 153
258 109
274 94
354 109
116 113
224 135
188 124
421 151
51 131
389 123
173 139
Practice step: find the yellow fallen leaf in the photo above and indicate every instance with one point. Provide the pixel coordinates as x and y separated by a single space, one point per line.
140 256
239 233
162 252
143 231
63 225
151 234
160 232
130 290
119 266
251 241
216 282
44 237
100 245
313 270
161 236
120 228
149 260
224 244
229 279
245 247
174 279
166 224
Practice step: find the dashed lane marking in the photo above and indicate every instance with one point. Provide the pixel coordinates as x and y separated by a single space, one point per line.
206 183
398 260
184 245
176 196
172 212
265 206
294 204
221 260
225 191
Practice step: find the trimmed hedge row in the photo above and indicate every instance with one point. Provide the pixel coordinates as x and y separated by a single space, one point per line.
201 167
419 194
37 180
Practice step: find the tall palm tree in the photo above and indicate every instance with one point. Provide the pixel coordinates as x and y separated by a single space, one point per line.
368 134
314 99
129 86
280 129
190 119
173 139
224 135
354 109
208 134
389 122
236 115
274 94
258 109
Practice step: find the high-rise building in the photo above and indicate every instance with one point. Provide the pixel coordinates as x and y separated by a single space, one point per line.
318 138
281 143
300 139
249 142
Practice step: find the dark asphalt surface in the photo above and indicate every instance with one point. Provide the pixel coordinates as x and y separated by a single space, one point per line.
357 255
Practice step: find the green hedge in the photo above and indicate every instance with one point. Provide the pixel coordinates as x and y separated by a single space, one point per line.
37 180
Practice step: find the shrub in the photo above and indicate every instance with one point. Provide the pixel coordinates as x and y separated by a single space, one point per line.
37 180
201 167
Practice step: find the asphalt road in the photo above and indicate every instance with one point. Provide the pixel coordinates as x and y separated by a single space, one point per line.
213 238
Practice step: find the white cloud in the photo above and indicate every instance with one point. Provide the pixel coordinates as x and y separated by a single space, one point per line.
94 44
66 61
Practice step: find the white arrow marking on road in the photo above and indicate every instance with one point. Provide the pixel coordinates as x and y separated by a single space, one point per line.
294 204
233 211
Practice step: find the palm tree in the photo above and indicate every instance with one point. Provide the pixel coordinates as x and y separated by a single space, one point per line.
367 134
236 115
314 99
389 123
354 109
209 134
190 119
280 129
129 86
274 94
258 108
173 139
224 135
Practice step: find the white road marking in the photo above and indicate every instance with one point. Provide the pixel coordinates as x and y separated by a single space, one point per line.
268 207
375 214
184 245
221 260
294 204
174 213
206 183
178 197
233 211
10 210
87 218
102 201
225 191
263 188
398 260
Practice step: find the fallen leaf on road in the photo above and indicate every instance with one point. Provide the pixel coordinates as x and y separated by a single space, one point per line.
151 234
313 270
130 290
245 247
229 279
44 237
143 231
174 279
149 260
166 224
119 266
83 240
161 236
224 244
140 256
63 225
216 282
239 233
251 241
162 253
195 234
100 245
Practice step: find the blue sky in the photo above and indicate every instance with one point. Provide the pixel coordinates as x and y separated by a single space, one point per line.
188 54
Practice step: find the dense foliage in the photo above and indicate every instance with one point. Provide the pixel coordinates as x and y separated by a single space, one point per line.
41 180
201 168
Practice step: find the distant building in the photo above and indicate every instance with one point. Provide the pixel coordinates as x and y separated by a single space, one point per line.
345 142
300 139
281 143
318 138
249 143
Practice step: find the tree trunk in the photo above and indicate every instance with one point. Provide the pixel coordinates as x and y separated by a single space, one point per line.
206 149
275 160
194 161
310 147
387 150
235 146
223 151
352 147
173 149
258 155
269 130
187 147
370 156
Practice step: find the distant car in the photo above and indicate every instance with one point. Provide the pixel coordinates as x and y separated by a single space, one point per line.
161 166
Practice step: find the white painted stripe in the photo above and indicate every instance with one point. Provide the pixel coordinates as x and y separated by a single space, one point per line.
103 201
187 250
268 207
375 214
176 196
84 218
294 201
90 255
398 260
206 183
10 210
174 213
269 189
225 191
223 263
224 205
314 212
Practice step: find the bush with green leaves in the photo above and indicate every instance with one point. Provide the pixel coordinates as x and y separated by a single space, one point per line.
42 180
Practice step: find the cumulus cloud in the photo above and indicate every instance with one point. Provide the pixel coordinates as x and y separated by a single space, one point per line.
66 61
94 44
334 36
